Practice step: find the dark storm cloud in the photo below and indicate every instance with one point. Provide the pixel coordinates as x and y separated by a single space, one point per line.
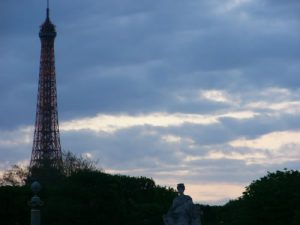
14 154
261 125
286 10
223 170
139 151
15 145
19 57
116 56
226 55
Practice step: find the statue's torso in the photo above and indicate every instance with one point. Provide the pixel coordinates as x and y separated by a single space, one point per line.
181 211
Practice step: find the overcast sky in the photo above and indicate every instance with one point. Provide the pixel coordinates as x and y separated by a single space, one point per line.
204 92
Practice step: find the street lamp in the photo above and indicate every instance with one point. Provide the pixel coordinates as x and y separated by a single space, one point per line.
35 203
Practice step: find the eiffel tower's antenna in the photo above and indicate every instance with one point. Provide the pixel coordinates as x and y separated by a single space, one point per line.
47 8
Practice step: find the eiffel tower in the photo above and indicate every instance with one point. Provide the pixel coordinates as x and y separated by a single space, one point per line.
46 157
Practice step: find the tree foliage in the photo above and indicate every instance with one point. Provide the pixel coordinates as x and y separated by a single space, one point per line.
85 195
16 176
89 196
19 175
73 164
272 200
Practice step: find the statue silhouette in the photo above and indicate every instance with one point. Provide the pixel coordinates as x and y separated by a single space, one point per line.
183 211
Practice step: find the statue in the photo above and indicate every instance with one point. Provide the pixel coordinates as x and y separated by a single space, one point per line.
183 211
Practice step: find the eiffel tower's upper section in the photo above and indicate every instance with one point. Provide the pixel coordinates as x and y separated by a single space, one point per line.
47 29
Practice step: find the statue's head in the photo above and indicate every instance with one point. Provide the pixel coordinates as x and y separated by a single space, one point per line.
180 188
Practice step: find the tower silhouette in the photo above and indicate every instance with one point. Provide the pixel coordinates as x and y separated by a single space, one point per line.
46 157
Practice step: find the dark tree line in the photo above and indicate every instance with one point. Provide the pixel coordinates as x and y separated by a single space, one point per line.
86 195
90 197
18 175
271 200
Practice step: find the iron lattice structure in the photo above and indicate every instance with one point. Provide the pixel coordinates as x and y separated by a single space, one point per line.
46 149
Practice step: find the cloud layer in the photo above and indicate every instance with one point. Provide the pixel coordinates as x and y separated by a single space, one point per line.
201 92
